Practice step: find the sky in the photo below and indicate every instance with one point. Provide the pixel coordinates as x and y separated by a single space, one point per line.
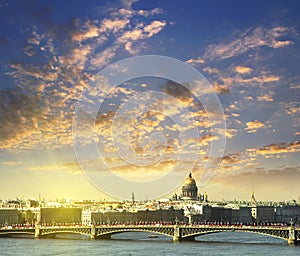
149 131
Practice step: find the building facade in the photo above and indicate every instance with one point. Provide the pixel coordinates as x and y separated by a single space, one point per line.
263 214
60 215
9 216
288 213
245 215
170 215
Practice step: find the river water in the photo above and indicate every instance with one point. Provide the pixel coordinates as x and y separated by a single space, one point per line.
231 243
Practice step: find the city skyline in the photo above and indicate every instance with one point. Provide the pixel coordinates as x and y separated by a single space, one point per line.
248 52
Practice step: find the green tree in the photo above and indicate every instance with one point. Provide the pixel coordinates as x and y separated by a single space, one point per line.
29 217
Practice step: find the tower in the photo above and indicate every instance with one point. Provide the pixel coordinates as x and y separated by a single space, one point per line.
252 198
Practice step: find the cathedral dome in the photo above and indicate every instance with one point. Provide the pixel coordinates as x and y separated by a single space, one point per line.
189 189
189 181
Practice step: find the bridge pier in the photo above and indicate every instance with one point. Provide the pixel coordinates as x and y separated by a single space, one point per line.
37 232
176 239
292 236
176 235
292 241
93 232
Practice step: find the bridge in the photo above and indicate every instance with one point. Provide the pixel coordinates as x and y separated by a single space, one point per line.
179 232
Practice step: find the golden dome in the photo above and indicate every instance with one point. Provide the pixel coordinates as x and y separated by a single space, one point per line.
189 180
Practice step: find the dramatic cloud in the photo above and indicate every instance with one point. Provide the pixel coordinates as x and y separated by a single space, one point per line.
210 70
280 148
267 98
221 89
249 40
195 62
293 110
231 159
154 27
243 69
295 86
253 126
19 114
113 25
143 32
61 61
204 140
88 31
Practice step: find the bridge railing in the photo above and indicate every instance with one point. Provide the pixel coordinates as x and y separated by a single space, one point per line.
168 224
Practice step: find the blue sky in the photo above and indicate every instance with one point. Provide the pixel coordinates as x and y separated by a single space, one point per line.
52 50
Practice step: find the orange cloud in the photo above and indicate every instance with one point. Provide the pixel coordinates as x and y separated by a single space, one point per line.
295 86
154 27
221 89
195 62
89 31
231 159
259 79
204 140
113 25
210 70
243 69
267 98
254 126
280 148
293 110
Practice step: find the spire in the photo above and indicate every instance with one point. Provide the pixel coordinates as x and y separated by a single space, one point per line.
252 198
190 175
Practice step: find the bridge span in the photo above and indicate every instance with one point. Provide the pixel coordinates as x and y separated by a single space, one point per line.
178 232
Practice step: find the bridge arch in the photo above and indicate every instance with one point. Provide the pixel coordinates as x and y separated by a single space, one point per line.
17 233
49 233
119 231
194 235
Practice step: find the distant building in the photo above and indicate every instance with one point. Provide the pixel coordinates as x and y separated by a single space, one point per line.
32 203
9 216
140 216
288 213
60 215
261 214
223 214
245 215
86 217
200 213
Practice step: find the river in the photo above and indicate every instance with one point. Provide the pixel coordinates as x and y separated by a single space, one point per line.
231 243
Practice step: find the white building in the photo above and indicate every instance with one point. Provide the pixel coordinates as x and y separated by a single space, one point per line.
86 218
